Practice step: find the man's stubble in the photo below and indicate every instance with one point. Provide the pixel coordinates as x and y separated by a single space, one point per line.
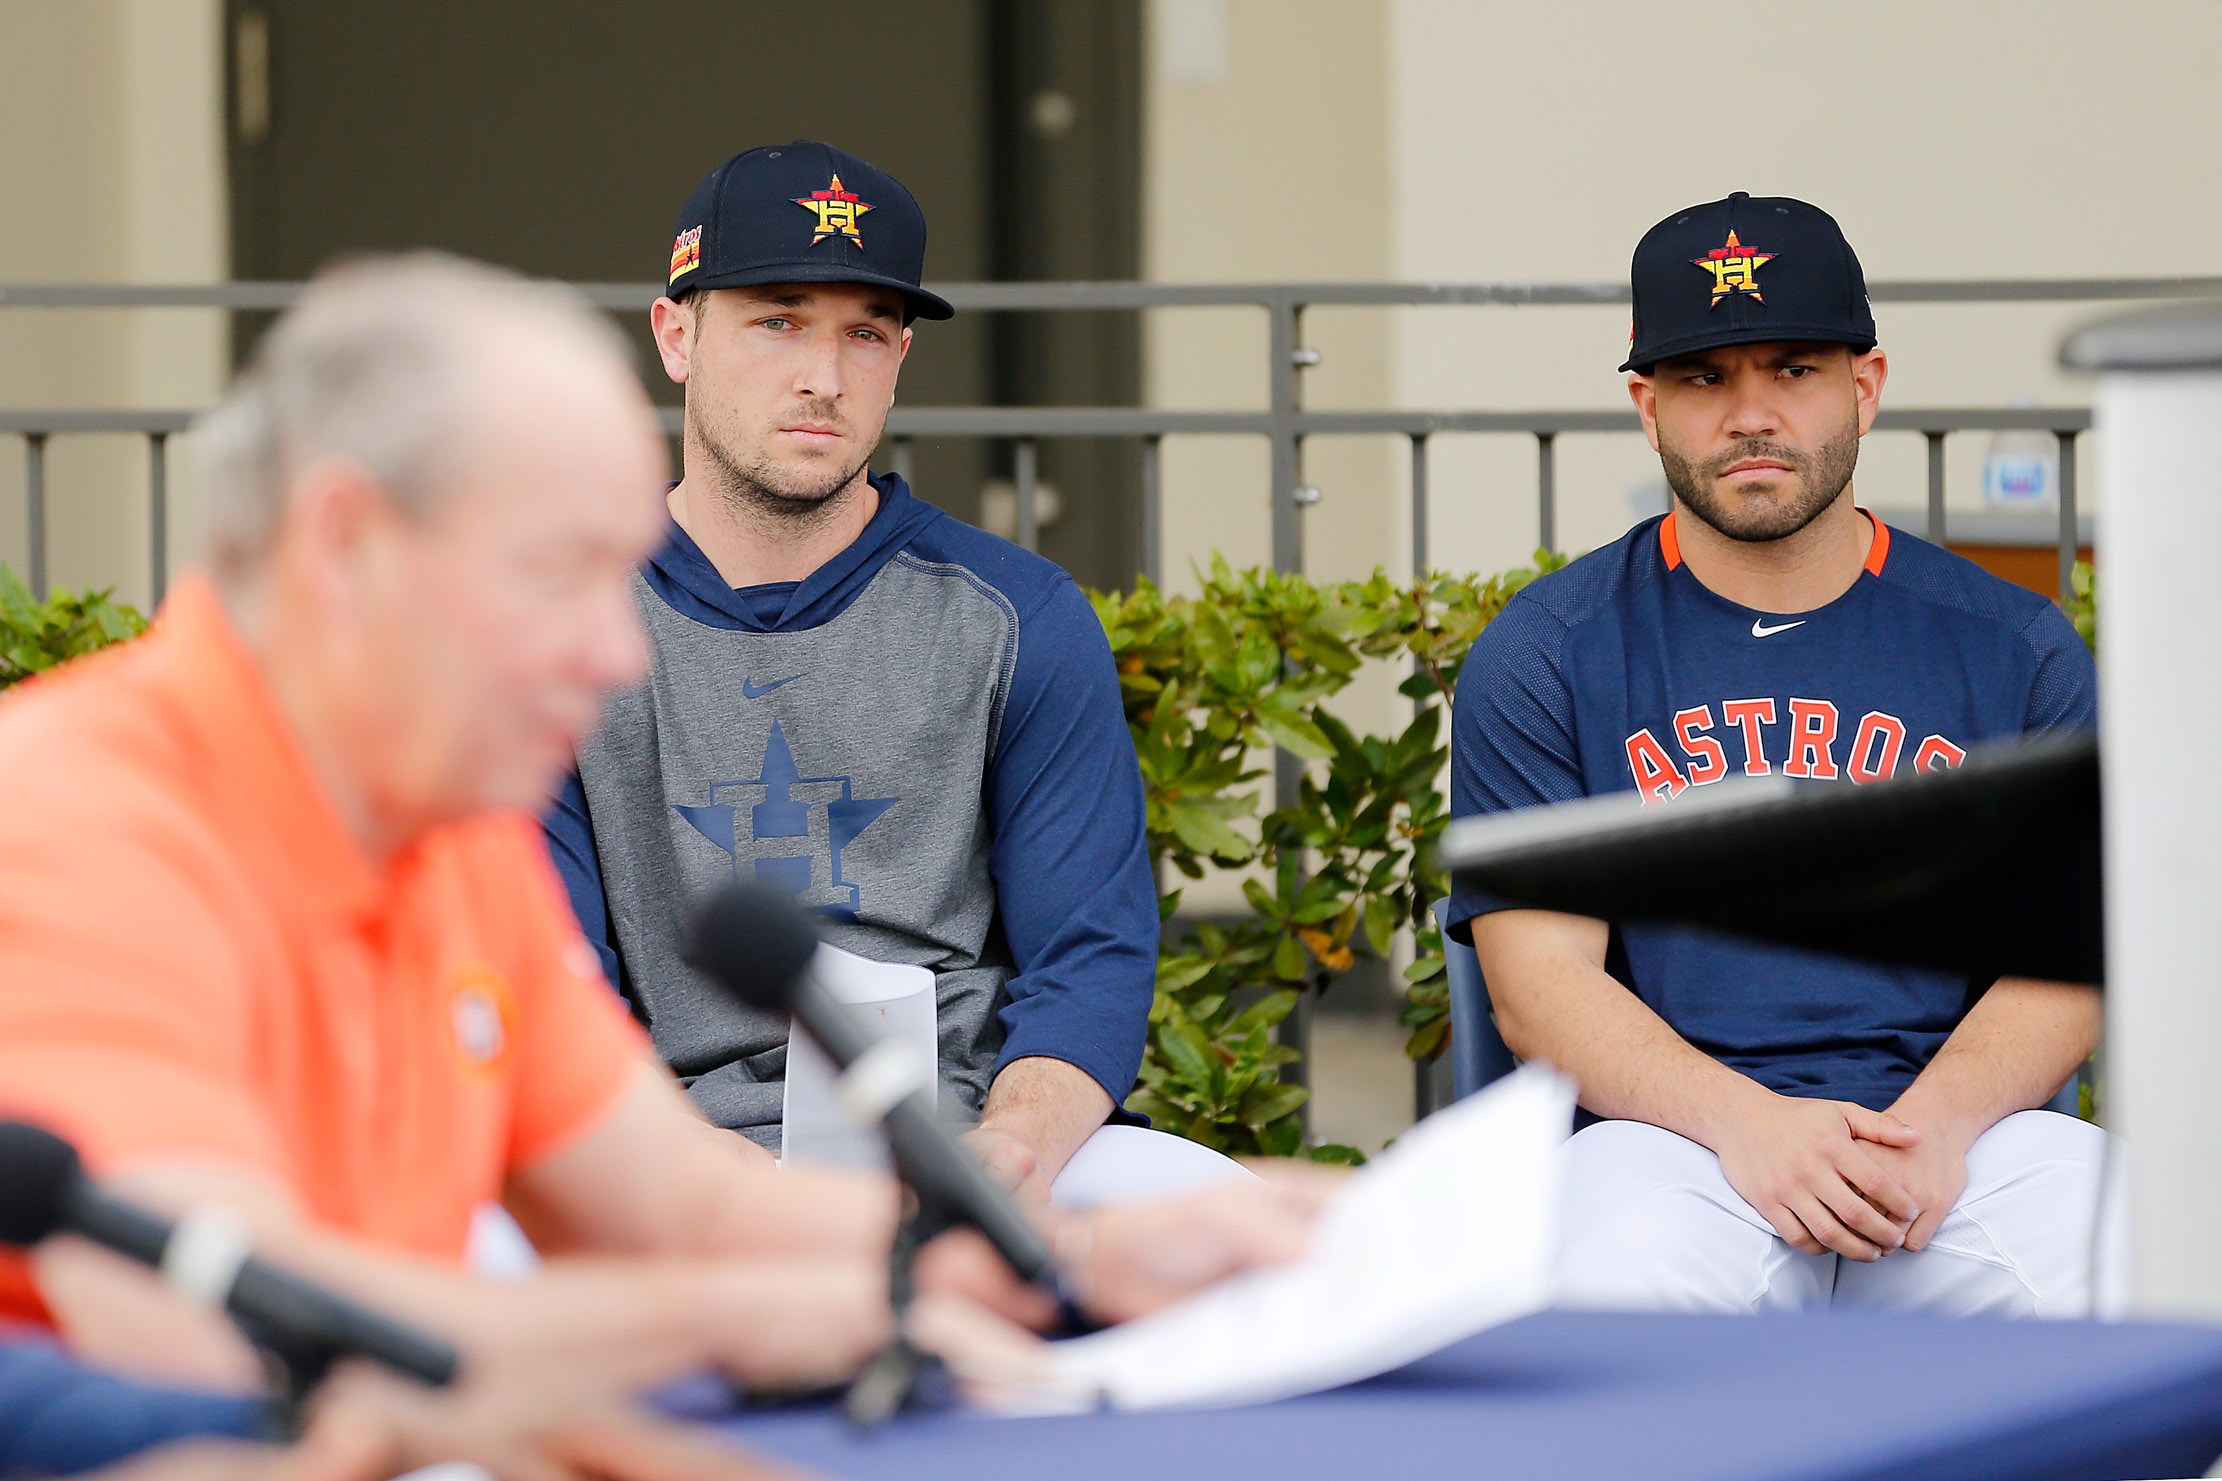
761 489
1822 475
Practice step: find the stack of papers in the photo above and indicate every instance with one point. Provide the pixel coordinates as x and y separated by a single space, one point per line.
1448 1232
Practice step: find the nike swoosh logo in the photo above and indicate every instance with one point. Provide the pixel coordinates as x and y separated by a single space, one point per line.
1756 630
754 690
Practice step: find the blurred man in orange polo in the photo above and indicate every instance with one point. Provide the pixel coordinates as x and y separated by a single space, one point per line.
276 933
273 932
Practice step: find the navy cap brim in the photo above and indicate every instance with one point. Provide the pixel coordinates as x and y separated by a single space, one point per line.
923 305
1749 334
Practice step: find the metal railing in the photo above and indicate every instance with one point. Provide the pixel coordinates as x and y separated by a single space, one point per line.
1283 423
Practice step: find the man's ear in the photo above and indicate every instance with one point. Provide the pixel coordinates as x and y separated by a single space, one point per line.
332 537
672 325
1869 371
1644 392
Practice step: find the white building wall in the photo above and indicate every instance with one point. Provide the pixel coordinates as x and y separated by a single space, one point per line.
111 162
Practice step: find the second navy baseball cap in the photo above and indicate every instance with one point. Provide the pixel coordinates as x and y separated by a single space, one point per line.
1745 270
802 213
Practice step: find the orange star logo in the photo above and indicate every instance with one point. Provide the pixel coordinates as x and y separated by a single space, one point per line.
1735 269
836 209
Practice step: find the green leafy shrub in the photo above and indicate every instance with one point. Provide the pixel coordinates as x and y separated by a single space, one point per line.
36 635
1211 683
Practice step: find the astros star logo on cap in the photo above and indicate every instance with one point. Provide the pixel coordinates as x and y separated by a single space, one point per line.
836 210
1735 269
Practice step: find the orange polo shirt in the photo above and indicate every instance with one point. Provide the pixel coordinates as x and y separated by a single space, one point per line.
199 964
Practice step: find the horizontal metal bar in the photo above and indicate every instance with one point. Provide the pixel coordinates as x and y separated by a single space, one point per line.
1069 421
1145 421
141 422
1985 419
149 295
1421 423
2041 290
1017 297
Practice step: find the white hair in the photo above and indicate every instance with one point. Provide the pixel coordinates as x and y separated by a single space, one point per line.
382 364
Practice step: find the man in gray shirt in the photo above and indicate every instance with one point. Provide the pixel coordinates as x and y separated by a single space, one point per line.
913 725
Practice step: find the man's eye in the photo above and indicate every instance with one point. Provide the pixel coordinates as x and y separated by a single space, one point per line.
1797 372
869 334
778 323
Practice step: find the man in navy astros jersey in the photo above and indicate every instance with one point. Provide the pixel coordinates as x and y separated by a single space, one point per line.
1782 1128
913 725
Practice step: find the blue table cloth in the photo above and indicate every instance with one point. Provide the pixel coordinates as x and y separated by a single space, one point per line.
1835 1397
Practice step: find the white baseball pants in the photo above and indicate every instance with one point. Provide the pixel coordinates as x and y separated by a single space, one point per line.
1650 1224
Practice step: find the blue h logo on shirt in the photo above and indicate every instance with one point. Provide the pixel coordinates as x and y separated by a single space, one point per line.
798 826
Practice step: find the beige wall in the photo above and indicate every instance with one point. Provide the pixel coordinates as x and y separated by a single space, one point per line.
1267 166
111 161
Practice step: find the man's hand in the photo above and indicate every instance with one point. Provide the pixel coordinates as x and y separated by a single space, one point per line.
1038 1112
1933 1172
1129 1260
1815 1170
1126 1261
1011 1162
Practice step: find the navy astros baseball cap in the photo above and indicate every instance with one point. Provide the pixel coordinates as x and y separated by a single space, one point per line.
802 213
1746 270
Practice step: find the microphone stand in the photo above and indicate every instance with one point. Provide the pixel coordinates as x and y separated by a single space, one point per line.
294 1366
903 1375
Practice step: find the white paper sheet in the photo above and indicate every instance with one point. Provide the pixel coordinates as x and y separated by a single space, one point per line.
899 1002
1448 1232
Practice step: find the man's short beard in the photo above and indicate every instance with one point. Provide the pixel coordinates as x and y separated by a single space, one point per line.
762 486
1822 475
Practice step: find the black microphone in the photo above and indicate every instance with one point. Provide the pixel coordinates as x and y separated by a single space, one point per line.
757 944
44 1192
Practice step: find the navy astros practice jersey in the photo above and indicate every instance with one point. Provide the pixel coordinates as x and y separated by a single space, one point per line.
1623 671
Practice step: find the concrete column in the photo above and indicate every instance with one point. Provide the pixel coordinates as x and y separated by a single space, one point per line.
2159 413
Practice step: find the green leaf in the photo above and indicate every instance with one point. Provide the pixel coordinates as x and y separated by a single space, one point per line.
1293 732
1269 1103
1336 1154
1204 831
1163 1114
1423 969
1266 1011
1177 972
1428 1040
17 604
1288 959
1190 1052
1381 923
